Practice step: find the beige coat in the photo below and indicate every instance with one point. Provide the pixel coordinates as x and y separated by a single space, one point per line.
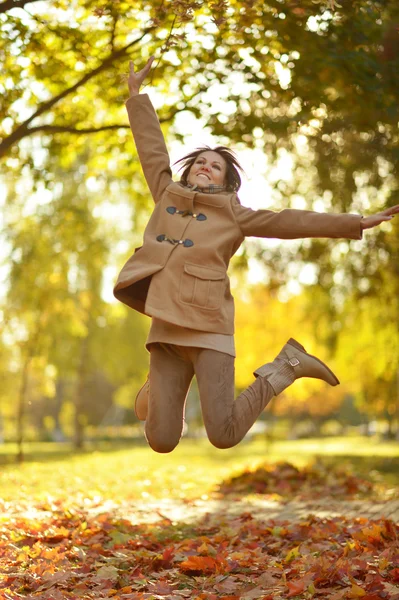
184 281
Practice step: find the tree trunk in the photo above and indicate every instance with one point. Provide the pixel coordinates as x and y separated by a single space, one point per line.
57 434
79 403
397 404
21 408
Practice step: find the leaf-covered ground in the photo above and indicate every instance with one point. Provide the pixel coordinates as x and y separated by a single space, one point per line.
286 480
72 554
73 546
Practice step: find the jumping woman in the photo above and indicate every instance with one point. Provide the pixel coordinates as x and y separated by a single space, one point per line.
178 277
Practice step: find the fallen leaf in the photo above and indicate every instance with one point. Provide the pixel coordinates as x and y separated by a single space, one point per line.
107 572
255 593
201 564
295 587
356 591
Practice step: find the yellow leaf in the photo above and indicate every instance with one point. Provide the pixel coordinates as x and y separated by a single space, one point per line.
203 549
311 588
356 592
293 553
383 563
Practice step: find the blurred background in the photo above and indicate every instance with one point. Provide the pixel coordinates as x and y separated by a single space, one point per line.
306 93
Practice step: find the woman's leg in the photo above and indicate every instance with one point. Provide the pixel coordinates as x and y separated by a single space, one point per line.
226 419
170 376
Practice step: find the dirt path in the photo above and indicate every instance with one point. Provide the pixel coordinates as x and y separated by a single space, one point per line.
260 508
179 511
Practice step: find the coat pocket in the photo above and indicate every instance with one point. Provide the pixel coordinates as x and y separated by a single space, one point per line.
202 286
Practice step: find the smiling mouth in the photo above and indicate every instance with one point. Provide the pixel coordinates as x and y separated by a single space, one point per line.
203 175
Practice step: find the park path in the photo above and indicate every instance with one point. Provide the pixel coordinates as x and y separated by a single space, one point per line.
190 511
259 508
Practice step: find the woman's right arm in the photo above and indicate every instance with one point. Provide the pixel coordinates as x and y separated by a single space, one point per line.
144 123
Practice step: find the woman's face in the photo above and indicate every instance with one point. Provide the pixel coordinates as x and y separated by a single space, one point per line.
209 168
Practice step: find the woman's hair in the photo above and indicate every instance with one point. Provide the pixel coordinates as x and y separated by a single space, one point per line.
233 179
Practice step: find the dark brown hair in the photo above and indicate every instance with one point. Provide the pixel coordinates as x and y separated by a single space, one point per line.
233 179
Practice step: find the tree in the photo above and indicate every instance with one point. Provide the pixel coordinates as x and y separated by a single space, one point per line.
299 68
55 283
368 353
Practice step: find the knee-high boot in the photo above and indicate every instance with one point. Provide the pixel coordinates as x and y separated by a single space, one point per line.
293 362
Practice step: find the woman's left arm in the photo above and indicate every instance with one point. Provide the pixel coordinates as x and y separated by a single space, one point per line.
294 224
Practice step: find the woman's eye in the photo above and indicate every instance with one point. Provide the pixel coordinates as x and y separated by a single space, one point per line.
217 167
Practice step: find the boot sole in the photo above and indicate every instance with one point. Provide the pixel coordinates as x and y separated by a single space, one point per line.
298 346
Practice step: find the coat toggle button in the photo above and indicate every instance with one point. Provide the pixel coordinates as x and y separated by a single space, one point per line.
163 238
172 210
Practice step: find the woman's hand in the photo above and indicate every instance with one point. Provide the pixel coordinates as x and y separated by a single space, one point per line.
378 218
136 79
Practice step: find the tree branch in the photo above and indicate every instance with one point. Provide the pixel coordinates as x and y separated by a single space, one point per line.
165 46
113 31
66 129
74 130
23 129
9 4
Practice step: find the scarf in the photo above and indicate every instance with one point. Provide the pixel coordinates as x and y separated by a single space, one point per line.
210 189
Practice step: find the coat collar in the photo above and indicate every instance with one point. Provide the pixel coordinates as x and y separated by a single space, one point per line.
217 200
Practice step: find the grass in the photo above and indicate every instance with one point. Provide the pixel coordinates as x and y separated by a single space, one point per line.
192 470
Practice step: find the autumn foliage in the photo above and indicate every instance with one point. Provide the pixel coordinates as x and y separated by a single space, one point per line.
75 553
286 480
91 549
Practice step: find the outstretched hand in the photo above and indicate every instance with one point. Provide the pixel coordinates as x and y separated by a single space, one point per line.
136 79
378 218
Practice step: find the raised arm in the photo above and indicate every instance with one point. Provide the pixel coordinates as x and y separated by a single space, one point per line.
290 224
144 123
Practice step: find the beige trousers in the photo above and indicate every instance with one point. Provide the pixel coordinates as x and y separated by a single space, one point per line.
226 419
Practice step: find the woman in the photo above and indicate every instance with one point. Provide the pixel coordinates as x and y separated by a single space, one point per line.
178 277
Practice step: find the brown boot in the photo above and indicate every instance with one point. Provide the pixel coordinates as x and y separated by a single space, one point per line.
292 363
141 403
